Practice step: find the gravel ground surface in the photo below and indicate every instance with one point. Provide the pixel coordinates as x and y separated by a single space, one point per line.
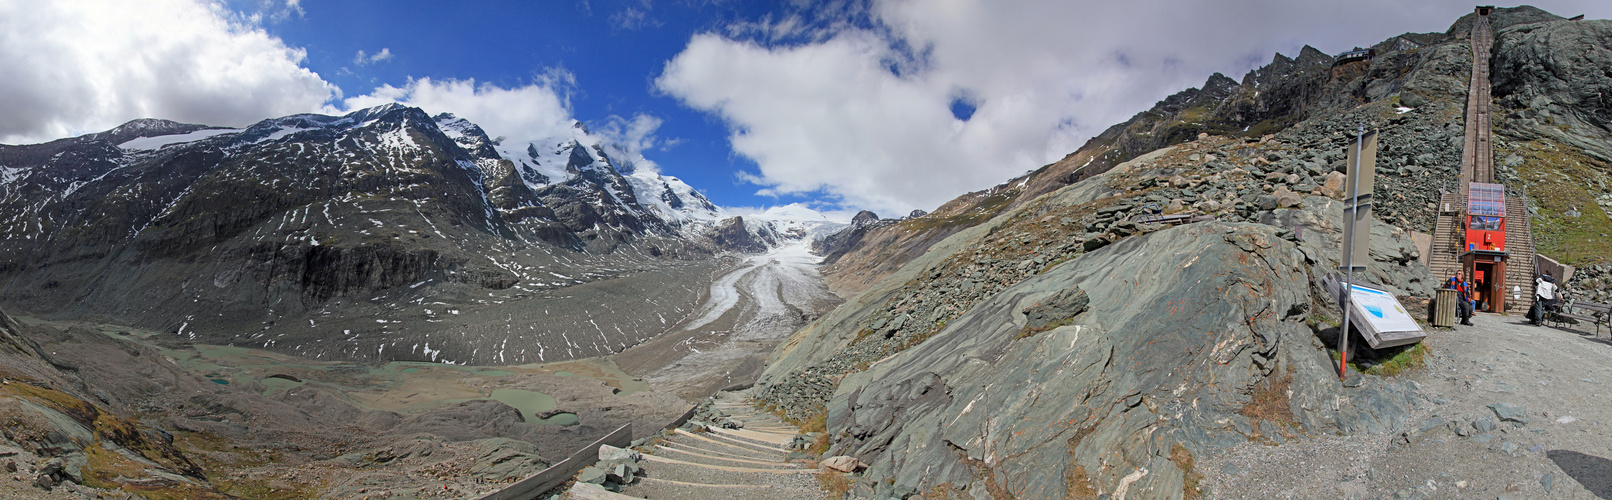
1511 411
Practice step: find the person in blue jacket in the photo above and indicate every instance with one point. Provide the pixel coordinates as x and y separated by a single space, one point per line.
1463 295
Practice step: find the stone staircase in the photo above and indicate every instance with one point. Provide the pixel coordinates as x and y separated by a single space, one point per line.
1519 253
1477 161
1445 253
746 463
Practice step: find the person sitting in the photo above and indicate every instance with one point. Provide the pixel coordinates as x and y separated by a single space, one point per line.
1546 295
1463 296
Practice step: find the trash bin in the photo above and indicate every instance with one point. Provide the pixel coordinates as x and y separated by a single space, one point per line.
1444 308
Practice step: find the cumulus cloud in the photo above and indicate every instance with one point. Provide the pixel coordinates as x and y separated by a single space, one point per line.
859 104
87 66
634 136
363 59
537 111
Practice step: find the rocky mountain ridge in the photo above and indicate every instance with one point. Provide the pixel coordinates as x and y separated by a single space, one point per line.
297 233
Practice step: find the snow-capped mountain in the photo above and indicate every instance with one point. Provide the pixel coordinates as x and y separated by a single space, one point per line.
242 235
776 226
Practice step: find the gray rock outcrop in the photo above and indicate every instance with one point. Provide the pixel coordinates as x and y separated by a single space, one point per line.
1184 326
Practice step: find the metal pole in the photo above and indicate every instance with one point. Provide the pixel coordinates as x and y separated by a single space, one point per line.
1349 272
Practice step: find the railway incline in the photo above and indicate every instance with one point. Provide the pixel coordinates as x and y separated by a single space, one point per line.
1477 165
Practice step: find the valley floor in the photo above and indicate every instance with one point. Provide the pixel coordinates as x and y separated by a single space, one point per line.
256 395
1457 445
726 341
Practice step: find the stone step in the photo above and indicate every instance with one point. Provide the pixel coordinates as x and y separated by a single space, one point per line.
681 470
715 458
719 451
700 442
660 488
679 463
773 440
726 436
714 438
770 433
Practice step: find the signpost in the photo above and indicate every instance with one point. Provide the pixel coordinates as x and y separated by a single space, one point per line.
1356 228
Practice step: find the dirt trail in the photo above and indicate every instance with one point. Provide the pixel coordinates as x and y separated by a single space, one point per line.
1457 446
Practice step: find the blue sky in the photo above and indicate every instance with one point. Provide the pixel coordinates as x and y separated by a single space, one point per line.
614 49
888 105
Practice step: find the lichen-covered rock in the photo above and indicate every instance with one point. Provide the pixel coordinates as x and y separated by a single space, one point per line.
1059 309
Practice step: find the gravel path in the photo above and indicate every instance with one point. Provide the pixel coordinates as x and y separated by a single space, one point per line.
1555 445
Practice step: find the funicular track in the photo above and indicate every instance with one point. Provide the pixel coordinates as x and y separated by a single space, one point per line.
1477 165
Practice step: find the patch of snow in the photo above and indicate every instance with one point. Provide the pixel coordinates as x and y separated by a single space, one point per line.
1402 110
280 134
8 174
153 143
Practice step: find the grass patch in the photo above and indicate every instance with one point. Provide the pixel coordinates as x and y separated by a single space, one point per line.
1270 402
102 466
820 445
837 485
864 333
1191 480
1389 362
817 423
1079 484
1561 180
942 491
79 410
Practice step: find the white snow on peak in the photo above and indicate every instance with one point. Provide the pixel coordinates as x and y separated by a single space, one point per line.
653 191
792 222
152 143
793 212
668 198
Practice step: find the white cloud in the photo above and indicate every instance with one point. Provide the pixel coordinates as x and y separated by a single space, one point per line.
823 112
363 59
635 17
540 110
87 66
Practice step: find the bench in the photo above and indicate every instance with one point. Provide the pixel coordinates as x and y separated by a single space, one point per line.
1594 313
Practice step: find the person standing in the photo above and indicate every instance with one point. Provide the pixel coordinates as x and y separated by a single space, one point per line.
1463 296
1545 296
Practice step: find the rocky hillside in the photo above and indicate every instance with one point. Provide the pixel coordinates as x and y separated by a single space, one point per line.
1553 119
324 235
1314 103
956 366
